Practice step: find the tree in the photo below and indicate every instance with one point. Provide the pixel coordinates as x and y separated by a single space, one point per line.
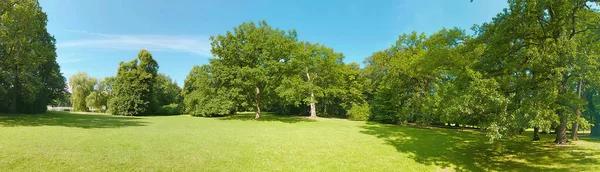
29 75
166 90
96 100
206 95
314 69
81 87
549 34
258 56
133 88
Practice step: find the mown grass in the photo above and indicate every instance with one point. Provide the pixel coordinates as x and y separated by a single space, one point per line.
88 142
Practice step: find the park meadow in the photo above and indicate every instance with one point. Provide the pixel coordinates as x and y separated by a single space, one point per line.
520 92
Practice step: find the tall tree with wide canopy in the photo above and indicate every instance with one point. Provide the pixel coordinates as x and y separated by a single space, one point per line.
259 56
316 71
552 32
30 78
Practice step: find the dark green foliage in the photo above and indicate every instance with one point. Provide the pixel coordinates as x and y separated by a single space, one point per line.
30 78
133 88
205 95
359 112
251 61
166 90
170 109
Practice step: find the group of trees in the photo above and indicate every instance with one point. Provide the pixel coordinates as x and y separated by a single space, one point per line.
257 67
535 65
30 78
138 89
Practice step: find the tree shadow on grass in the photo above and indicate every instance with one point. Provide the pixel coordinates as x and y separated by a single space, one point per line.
470 151
68 120
587 137
245 116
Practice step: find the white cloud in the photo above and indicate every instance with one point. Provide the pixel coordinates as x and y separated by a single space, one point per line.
195 45
63 60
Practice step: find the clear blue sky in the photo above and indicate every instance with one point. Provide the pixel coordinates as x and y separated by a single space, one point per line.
95 35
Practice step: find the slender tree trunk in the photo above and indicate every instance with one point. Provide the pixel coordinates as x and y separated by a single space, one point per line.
257 103
313 108
575 127
536 133
324 108
15 91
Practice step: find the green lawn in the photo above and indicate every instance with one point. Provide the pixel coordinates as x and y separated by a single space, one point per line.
87 142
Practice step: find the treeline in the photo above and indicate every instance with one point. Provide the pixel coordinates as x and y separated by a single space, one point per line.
260 68
30 78
137 89
535 65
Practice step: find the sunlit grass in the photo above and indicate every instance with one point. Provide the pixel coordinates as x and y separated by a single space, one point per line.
84 142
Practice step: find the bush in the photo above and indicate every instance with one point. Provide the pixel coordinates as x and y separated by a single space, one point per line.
359 112
171 109
197 104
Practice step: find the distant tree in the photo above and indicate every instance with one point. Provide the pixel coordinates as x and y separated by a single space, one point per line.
96 100
166 90
133 88
81 87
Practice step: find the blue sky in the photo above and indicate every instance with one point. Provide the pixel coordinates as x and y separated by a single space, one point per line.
93 36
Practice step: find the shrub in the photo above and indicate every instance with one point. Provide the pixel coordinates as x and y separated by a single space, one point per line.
171 109
359 112
208 106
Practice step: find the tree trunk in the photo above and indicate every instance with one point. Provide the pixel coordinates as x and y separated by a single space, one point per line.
561 130
257 103
575 126
15 91
561 133
536 133
324 108
313 108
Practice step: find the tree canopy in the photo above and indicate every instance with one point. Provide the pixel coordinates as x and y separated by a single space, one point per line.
30 77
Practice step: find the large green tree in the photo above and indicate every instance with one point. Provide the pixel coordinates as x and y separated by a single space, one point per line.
133 88
206 95
541 52
30 78
259 57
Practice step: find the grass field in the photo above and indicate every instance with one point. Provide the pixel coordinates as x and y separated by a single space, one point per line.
87 142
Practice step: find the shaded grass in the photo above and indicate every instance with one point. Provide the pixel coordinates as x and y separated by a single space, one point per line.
267 116
68 120
82 142
469 150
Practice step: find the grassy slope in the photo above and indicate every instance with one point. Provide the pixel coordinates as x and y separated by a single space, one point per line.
76 142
